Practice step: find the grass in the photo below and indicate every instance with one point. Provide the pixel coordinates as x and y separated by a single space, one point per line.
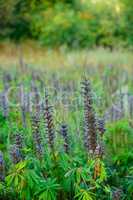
48 59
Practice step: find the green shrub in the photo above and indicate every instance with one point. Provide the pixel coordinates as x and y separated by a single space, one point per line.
72 23
63 25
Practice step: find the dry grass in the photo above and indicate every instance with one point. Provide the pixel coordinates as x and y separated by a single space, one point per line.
61 59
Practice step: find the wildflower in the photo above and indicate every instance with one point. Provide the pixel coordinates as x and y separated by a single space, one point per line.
15 154
64 133
90 129
2 167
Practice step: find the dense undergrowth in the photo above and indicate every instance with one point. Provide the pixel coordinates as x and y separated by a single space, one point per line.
64 139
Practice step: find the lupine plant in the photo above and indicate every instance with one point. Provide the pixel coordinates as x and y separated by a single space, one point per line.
48 160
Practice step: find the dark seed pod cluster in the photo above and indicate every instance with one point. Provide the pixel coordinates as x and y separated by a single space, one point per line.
37 136
4 104
2 167
15 154
64 133
90 128
36 97
19 141
101 126
49 124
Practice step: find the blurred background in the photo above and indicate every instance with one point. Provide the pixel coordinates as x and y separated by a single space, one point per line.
68 31
69 23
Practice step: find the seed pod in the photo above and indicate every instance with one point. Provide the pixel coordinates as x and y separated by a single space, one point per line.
4 104
19 141
15 154
37 136
2 167
90 129
101 126
36 97
49 124
64 133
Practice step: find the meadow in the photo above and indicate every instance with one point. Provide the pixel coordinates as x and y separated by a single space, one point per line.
66 123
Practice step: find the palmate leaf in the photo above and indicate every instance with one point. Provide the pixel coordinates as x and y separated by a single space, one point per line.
32 177
17 174
47 195
85 195
9 179
21 165
70 173
15 180
79 174
107 189
64 161
23 180
25 193
48 190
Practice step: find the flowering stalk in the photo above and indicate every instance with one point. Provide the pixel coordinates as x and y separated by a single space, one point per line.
15 154
4 104
37 136
101 126
19 141
2 167
36 96
49 124
90 129
64 133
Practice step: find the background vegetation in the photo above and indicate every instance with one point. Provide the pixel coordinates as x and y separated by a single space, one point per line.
74 23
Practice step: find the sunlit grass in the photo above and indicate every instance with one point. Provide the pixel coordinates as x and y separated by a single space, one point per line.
63 59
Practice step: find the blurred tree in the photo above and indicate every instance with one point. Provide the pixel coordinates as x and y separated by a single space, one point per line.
79 23
14 21
128 17
6 16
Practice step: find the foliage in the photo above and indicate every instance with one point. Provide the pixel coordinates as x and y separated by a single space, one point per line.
119 139
73 23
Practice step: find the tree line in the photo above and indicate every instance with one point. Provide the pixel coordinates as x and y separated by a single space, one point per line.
75 23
